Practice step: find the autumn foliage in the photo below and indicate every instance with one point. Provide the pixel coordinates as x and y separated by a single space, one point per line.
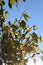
18 40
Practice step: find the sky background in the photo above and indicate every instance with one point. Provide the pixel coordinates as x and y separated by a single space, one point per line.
35 10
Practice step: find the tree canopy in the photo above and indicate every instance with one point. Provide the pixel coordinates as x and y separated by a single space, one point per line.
18 40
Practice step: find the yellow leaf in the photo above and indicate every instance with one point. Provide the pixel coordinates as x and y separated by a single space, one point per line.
6 15
26 16
38 50
31 52
35 46
41 39
12 1
28 29
6 28
12 33
21 47
38 39
12 55
42 58
16 33
13 46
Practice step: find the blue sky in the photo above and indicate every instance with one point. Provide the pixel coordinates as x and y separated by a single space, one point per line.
34 9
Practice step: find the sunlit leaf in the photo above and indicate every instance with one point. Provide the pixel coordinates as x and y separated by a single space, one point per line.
38 50
16 35
35 45
29 49
39 39
12 1
28 29
18 40
6 28
6 15
26 16
21 46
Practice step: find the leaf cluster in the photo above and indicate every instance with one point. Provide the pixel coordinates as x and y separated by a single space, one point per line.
18 40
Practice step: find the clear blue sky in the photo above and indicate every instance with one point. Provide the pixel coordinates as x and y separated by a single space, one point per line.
34 9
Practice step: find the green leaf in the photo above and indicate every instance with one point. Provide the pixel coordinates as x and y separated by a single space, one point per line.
6 28
24 0
34 37
26 16
6 15
12 1
9 4
2 3
17 1
38 50
34 27
23 36
14 26
42 58
41 39
16 35
9 22
22 23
